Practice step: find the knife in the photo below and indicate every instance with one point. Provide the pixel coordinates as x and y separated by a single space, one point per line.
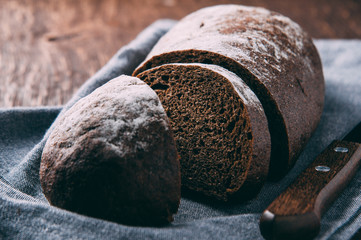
297 212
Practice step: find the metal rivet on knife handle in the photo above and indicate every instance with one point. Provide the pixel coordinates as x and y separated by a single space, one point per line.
322 168
341 149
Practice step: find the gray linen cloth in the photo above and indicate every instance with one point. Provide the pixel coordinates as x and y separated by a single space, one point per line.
25 213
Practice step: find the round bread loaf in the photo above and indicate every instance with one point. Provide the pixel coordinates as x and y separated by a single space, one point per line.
220 128
112 156
271 53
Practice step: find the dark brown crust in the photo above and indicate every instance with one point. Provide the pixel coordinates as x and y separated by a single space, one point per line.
113 158
170 81
270 53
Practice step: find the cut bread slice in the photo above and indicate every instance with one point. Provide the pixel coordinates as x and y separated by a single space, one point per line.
219 125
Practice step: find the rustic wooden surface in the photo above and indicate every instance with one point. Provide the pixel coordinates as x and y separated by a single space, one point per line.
49 48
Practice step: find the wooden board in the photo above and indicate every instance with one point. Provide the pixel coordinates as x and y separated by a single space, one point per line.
49 48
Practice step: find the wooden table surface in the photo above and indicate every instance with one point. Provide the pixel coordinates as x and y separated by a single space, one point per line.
49 48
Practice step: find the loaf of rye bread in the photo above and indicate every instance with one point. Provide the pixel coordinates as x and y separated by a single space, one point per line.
271 53
112 156
220 128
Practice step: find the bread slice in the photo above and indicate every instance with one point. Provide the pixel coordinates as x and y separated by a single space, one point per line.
112 156
271 53
219 125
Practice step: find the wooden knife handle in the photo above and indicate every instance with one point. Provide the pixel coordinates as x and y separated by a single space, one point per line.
296 213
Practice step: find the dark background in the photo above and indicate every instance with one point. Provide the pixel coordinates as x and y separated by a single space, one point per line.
49 48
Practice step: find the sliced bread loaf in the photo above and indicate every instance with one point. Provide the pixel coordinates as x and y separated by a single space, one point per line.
271 53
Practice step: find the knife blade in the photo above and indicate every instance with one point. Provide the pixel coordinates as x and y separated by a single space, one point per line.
296 213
